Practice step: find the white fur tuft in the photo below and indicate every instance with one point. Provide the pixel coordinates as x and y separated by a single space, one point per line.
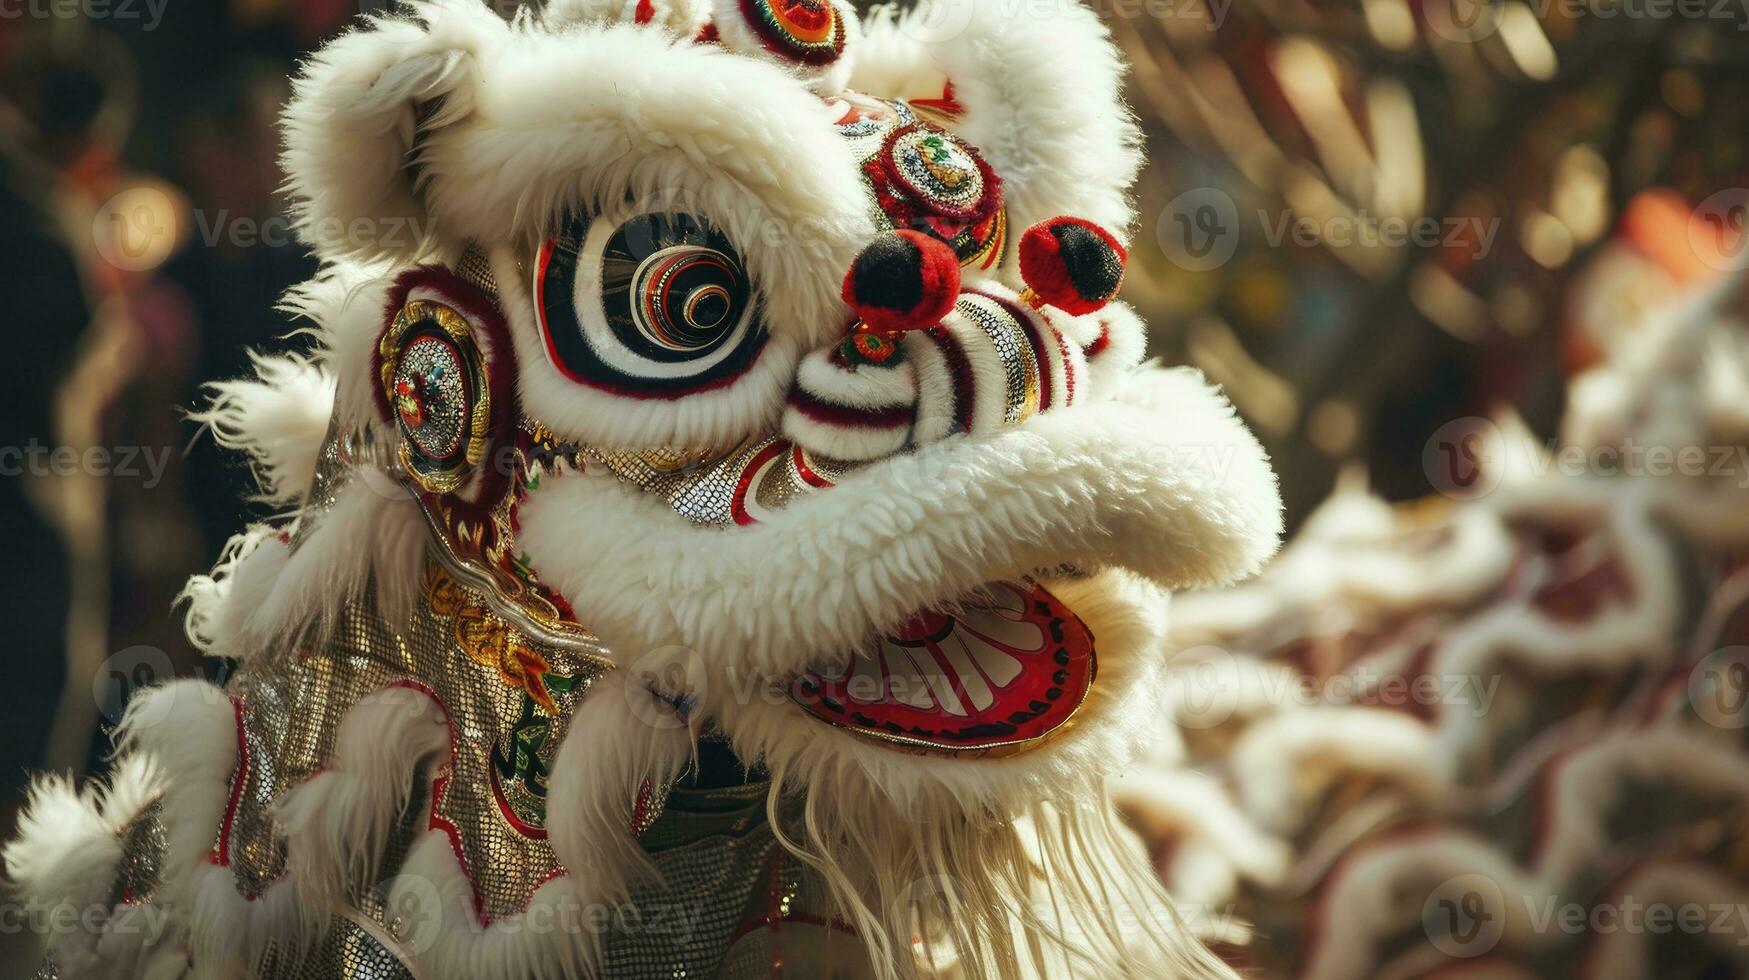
278 418
337 824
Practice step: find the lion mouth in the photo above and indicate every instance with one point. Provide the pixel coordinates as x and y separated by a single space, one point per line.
998 672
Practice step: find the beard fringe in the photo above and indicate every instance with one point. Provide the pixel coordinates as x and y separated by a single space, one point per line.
939 891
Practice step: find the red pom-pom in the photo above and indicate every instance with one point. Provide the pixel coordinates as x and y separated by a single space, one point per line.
903 280
1072 264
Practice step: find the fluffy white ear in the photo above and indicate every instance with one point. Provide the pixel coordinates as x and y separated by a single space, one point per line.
359 110
1039 95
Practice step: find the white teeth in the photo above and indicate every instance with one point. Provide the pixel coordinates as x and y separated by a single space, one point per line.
939 683
971 678
907 684
867 682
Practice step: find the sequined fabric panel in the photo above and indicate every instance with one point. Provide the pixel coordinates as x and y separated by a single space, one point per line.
1019 366
725 490
143 842
728 893
354 949
491 795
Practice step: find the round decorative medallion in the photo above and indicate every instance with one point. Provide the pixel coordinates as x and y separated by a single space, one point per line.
937 169
435 382
995 676
926 179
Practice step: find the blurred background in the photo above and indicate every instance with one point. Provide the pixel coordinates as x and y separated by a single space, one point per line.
1427 247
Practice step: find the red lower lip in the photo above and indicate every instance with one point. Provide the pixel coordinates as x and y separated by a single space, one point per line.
1001 672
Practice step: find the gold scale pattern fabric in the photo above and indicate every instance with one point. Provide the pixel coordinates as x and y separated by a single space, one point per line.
717 855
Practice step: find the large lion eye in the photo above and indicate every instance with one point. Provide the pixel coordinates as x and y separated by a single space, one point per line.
654 305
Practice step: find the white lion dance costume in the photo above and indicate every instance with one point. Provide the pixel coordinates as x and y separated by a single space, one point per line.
728 529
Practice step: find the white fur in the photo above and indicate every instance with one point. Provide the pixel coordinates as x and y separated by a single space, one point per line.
188 728
1179 493
345 305
1126 616
67 856
277 418
504 158
266 593
879 858
869 386
592 794
448 941
863 386
1126 340
337 824
1043 98
681 18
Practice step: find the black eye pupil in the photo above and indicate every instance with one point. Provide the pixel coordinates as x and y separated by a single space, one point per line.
707 307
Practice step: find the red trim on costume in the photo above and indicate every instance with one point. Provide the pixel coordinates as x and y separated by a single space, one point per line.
756 465
832 413
239 779
1100 343
806 472
960 367
948 104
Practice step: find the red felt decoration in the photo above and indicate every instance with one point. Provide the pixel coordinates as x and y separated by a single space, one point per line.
1071 264
904 280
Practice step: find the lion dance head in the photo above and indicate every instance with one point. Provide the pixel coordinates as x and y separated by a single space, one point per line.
727 520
